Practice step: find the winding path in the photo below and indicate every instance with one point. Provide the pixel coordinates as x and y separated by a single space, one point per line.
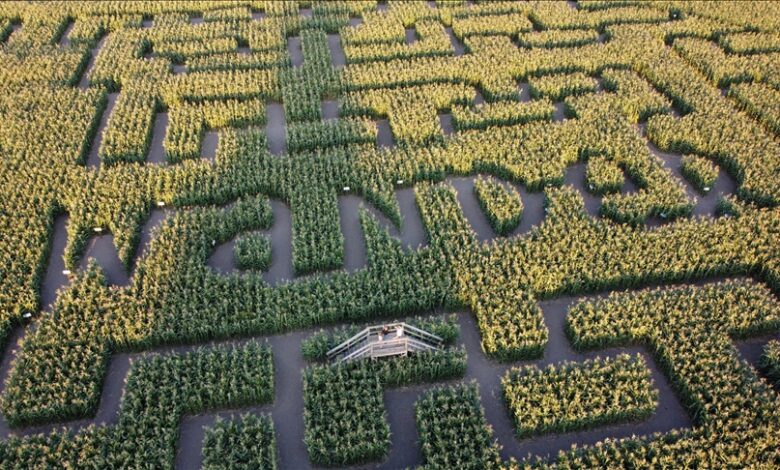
287 408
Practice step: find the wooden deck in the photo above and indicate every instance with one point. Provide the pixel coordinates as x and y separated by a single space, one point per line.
400 340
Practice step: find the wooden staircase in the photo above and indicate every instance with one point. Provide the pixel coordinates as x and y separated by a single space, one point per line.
401 340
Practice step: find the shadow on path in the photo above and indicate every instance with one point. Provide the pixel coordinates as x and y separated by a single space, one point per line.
156 153
276 128
93 159
412 234
84 80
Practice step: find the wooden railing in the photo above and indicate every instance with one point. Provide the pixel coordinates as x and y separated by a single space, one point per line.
400 340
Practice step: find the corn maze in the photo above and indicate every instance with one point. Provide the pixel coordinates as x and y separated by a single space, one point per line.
200 199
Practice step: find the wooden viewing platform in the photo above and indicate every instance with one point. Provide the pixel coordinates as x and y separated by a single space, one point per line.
399 340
